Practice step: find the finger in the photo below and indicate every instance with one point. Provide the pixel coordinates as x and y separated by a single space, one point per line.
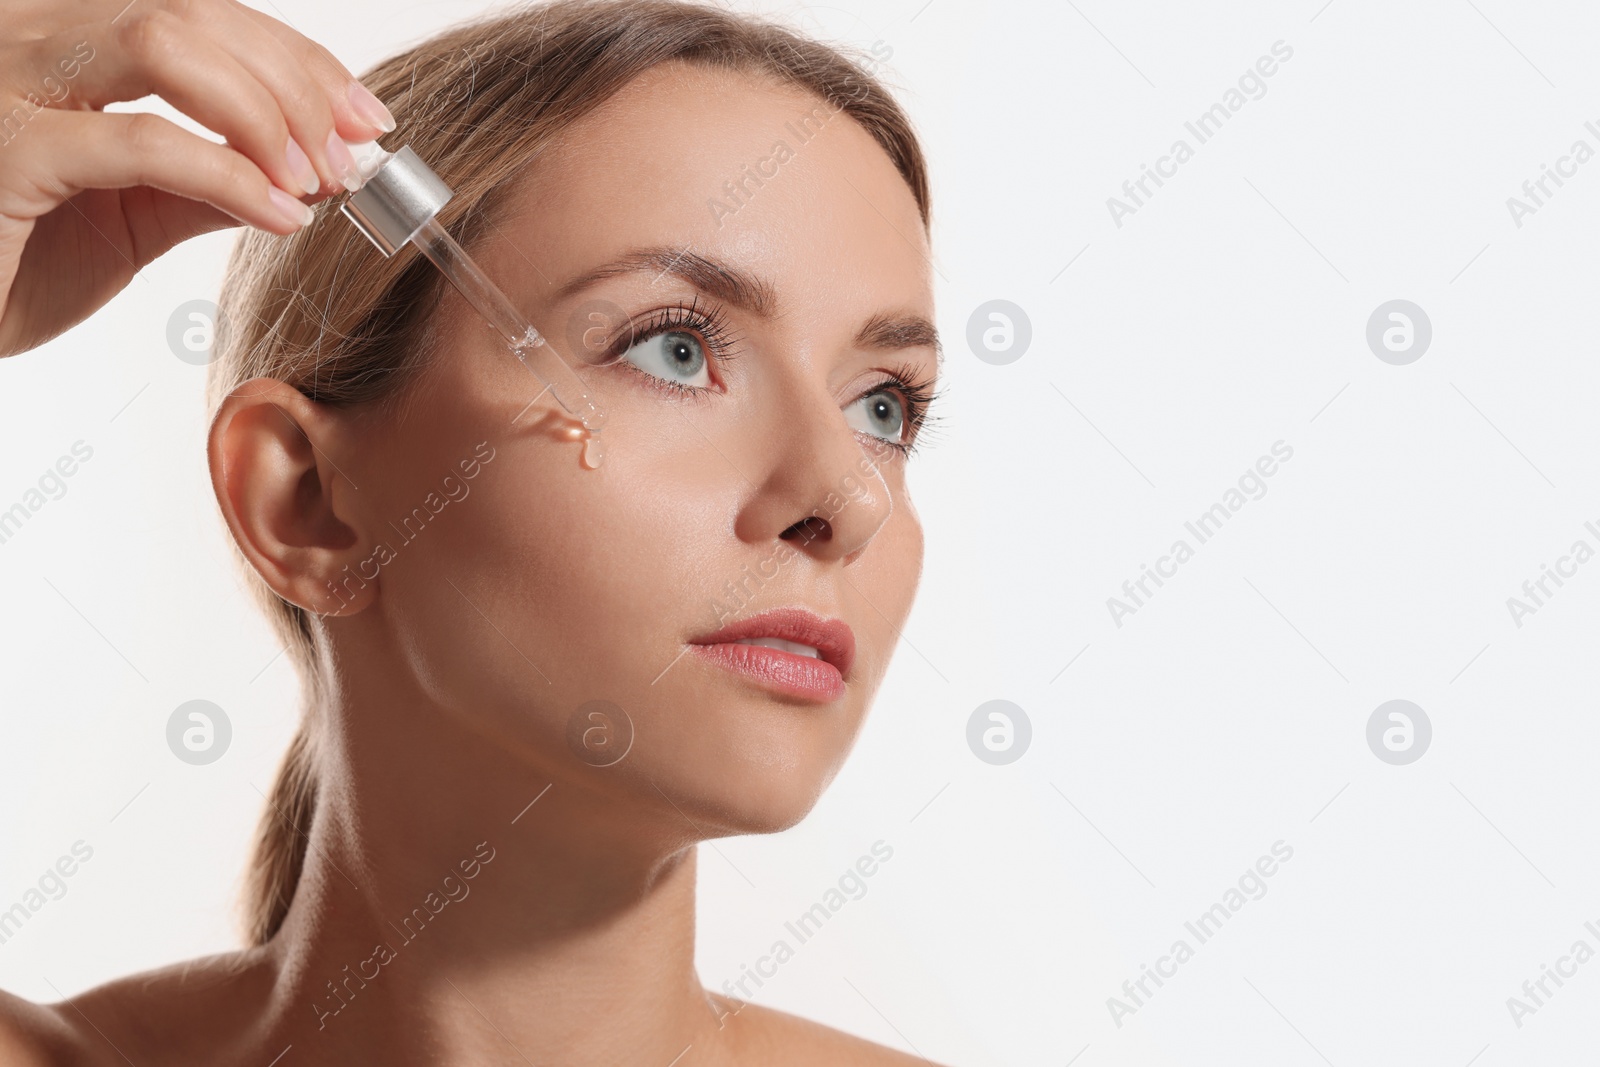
358 115
157 52
306 102
90 150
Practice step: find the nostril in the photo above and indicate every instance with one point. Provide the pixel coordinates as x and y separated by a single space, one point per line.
809 529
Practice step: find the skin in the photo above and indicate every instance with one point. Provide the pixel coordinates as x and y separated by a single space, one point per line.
455 673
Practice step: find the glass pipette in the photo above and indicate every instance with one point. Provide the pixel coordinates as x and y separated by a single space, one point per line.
398 201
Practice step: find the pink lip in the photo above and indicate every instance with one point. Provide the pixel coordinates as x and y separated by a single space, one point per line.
813 679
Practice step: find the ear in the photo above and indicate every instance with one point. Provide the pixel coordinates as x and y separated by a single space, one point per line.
288 505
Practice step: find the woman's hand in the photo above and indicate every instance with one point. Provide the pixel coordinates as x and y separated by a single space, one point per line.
88 198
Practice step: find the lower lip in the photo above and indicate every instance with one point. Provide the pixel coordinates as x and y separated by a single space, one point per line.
784 672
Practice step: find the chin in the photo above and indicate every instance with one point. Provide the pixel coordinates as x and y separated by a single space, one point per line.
750 797
729 758
775 815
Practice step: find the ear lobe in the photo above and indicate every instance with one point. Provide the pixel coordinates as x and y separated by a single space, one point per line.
289 507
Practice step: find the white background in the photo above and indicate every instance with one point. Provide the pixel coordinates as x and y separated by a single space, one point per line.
1229 713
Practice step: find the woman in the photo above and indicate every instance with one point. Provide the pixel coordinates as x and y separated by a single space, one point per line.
530 687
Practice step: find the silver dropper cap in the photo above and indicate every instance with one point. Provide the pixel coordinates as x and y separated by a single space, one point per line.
401 193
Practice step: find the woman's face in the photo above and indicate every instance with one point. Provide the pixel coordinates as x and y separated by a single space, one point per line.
754 456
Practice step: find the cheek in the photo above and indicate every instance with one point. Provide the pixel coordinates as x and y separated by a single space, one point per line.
564 585
550 586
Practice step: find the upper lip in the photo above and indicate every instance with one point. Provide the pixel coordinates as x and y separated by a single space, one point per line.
832 638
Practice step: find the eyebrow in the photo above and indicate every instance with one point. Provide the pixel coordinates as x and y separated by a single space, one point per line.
890 332
748 292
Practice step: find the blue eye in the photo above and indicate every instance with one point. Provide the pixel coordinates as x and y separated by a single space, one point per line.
673 356
881 414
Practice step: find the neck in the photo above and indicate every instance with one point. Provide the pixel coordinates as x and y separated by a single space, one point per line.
456 907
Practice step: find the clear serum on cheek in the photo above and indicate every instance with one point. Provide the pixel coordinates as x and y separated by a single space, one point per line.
399 201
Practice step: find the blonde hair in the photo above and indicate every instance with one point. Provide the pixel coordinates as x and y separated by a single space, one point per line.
323 312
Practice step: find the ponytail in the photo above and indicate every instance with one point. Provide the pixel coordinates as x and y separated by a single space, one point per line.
280 849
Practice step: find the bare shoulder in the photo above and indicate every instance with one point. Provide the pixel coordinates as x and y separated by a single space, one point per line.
138 1016
35 1035
768 1036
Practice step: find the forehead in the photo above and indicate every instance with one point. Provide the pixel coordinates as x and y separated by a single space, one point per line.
732 165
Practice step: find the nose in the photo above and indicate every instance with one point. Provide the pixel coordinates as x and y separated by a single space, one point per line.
819 488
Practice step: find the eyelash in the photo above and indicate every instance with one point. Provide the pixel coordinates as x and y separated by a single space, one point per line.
915 389
709 323
917 393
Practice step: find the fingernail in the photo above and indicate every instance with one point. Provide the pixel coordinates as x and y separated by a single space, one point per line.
370 107
300 166
290 208
342 161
